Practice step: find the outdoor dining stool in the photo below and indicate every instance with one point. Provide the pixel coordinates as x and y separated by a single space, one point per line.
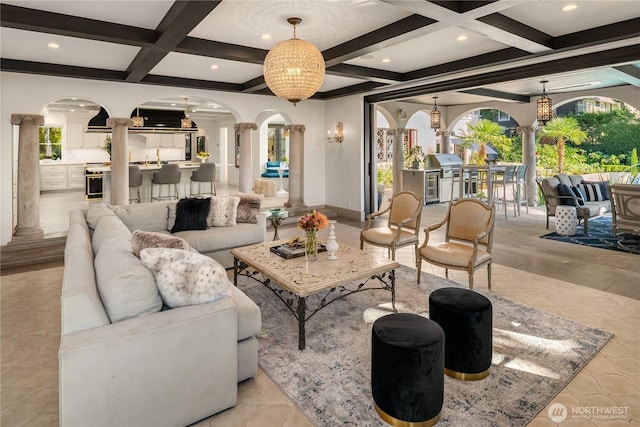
466 317
407 369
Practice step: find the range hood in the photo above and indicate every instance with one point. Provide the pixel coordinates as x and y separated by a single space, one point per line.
155 121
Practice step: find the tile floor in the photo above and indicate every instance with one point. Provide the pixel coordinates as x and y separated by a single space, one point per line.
596 287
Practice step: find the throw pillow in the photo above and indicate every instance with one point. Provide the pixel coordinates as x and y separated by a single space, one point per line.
186 278
579 194
144 216
151 239
223 212
249 207
191 214
592 191
565 190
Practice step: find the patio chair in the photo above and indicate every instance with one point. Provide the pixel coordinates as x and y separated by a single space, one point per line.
402 227
625 215
468 239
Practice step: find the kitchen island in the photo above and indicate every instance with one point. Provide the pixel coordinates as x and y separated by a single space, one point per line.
147 169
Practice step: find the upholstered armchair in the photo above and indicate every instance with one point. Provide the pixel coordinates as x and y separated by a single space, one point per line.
468 239
402 227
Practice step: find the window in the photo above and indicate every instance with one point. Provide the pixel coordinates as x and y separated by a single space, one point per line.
277 143
50 139
503 117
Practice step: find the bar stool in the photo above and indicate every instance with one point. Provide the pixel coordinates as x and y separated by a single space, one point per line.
521 187
205 173
169 174
505 179
135 181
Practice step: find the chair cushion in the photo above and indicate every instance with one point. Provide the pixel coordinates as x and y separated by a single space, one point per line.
566 190
384 236
454 254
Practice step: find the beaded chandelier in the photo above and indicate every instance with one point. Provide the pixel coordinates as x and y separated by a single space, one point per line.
138 121
544 109
294 68
186 122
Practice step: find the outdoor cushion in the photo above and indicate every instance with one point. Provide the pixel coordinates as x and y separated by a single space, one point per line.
565 190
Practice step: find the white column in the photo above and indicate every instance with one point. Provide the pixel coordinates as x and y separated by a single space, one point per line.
28 227
398 159
296 167
529 159
243 132
119 160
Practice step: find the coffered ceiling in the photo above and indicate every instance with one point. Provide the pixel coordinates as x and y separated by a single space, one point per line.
463 51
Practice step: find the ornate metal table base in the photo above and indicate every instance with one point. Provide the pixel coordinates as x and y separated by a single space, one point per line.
304 308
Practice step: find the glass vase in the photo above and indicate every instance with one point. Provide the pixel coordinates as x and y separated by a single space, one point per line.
311 246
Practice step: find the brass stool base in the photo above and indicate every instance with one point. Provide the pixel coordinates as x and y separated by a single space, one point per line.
466 377
401 423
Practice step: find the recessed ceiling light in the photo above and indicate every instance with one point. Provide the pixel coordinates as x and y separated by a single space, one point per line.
569 7
214 67
72 110
173 105
73 99
462 38
386 60
53 45
266 37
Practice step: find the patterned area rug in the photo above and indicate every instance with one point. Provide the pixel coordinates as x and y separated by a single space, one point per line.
535 355
599 235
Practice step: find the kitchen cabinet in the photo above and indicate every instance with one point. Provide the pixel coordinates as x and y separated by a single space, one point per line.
75 177
423 183
75 133
53 177
95 140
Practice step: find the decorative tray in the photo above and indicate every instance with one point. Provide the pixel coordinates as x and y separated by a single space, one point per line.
288 252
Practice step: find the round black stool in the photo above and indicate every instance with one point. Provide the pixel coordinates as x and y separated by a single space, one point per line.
467 320
407 369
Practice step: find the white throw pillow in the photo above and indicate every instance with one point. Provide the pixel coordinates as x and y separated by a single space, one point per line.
223 211
186 278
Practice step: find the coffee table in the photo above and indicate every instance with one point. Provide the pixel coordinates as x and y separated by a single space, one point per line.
306 287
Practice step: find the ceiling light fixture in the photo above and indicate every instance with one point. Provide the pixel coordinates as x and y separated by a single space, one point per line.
214 67
435 115
294 69
569 7
544 111
138 121
186 122
53 45
386 60
462 38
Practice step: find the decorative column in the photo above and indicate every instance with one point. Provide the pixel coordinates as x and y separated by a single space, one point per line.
243 134
529 159
28 227
296 167
398 158
119 160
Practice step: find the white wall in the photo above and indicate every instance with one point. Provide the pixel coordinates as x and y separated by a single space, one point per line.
29 94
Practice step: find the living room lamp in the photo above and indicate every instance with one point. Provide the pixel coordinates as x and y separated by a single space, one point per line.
186 122
294 69
435 115
544 111
339 135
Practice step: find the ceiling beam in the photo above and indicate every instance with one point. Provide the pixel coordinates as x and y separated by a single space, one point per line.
606 33
629 74
30 67
497 94
213 49
180 20
365 73
190 83
23 18
386 36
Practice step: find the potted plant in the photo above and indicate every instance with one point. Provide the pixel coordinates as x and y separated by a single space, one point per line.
107 146
414 156
283 161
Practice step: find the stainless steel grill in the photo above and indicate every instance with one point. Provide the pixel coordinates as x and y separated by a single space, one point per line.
449 165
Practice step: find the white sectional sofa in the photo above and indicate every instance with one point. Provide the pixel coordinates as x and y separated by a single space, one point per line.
158 368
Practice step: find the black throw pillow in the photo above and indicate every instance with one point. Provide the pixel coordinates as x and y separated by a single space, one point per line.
579 194
565 190
191 214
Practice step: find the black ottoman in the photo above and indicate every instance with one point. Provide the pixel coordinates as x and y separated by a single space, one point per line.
467 320
407 369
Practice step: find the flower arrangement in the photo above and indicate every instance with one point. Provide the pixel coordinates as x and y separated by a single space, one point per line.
203 155
313 221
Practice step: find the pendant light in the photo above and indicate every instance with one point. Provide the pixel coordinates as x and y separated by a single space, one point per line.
294 69
544 111
138 121
186 122
435 115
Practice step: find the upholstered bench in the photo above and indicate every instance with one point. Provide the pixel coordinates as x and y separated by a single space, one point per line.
407 369
466 317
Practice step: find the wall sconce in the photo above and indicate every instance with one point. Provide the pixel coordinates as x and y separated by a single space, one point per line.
339 136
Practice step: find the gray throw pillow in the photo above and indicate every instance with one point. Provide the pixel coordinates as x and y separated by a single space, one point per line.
151 239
